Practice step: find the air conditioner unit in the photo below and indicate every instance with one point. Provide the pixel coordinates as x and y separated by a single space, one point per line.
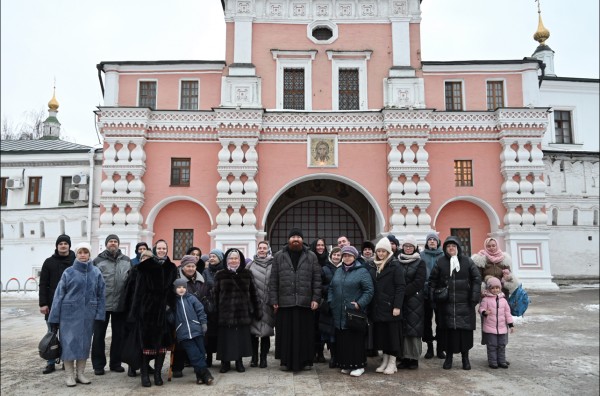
79 179
77 194
14 183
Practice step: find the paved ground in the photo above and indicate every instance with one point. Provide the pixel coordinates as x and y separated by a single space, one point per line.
554 351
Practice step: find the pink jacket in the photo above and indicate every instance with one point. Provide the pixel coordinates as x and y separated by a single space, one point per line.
497 322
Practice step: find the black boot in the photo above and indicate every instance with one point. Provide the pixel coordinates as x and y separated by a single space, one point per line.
448 362
403 364
144 372
225 366
332 362
239 366
429 353
158 364
465 361
440 352
319 357
131 372
413 364
265 345
209 360
204 377
254 359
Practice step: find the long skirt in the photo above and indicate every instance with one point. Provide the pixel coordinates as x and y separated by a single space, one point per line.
386 337
350 351
412 348
294 337
455 341
234 343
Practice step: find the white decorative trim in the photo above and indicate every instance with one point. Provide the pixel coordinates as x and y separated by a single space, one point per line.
294 59
340 60
325 24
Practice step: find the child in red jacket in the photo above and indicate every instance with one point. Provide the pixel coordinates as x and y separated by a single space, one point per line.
496 322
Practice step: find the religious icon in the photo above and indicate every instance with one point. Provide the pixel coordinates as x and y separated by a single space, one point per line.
322 151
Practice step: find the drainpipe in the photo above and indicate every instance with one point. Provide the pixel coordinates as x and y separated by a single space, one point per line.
91 196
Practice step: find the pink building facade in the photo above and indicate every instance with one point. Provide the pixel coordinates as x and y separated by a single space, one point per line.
324 117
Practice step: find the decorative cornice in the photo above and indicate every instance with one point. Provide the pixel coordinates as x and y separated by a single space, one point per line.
52 164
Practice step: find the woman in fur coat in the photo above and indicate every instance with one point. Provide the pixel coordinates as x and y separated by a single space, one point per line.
493 261
237 305
78 302
150 294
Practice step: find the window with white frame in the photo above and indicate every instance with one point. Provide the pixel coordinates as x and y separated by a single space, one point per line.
349 79
495 94
189 95
454 95
563 127
147 94
294 79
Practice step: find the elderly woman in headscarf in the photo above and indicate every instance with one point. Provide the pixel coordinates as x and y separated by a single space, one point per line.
214 265
237 306
492 261
461 277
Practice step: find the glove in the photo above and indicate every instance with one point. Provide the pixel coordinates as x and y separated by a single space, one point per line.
204 328
54 327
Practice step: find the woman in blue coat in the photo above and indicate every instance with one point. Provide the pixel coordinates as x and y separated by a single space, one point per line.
351 289
78 302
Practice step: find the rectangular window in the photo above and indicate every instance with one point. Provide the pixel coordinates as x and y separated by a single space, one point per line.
464 236
66 184
463 173
4 192
180 171
35 191
189 95
495 94
349 98
148 94
454 96
183 240
563 130
293 89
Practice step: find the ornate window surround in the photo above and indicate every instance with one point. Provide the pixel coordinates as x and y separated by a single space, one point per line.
349 60
294 59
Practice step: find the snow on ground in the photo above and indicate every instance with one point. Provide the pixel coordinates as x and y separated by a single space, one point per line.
14 295
592 307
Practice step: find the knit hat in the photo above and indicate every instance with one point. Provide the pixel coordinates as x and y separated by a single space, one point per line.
392 238
83 245
433 235
350 250
204 257
188 259
111 236
295 232
384 243
63 238
493 281
137 246
180 282
218 253
367 244
409 240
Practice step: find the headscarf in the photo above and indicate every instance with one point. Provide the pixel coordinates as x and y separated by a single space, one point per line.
495 257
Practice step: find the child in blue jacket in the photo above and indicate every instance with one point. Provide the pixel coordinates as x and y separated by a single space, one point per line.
190 325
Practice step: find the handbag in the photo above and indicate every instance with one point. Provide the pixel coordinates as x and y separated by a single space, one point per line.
357 320
440 294
49 347
209 304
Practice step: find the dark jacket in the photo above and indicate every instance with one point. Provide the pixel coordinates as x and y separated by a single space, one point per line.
430 257
389 292
235 297
52 270
325 317
289 288
196 285
414 300
114 269
354 285
187 317
464 290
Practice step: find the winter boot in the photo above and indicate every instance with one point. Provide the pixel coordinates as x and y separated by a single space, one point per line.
144 372
465 361
440 352
448 362
239 366
204 377
265 345
384 363
429 353
391 366
70 372
332 361
403 364
254 359
79 377
131 372
413 364
158 365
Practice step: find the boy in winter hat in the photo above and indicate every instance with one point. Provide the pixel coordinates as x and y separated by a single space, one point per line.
496 322
190 323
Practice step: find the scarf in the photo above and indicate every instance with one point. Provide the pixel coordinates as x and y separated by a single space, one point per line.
454 264
348 267
380 264
409 258
493 258
233 269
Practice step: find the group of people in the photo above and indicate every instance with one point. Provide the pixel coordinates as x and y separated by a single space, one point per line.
304 294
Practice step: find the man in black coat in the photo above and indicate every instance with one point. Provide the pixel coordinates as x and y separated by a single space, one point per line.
52 270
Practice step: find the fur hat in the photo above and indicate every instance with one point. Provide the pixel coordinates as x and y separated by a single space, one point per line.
433 235
295 232
218 253
392 238
367 244
384 243
493 281
146 253
83 245
63 238
111 236
188 259
348 249
409 240
180 282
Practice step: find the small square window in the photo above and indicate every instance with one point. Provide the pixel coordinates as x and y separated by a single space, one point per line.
563 129
463 173
180 171
183 240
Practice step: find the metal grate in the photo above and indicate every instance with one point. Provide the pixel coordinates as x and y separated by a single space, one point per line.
322 33
316 218
348 89
464 237
182 241
293 89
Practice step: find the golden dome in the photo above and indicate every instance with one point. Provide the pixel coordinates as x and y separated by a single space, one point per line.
542 34
53 104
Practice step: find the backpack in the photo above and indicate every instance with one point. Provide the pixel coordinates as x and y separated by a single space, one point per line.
518 301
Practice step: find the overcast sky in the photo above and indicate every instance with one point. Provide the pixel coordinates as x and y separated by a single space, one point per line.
65 39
